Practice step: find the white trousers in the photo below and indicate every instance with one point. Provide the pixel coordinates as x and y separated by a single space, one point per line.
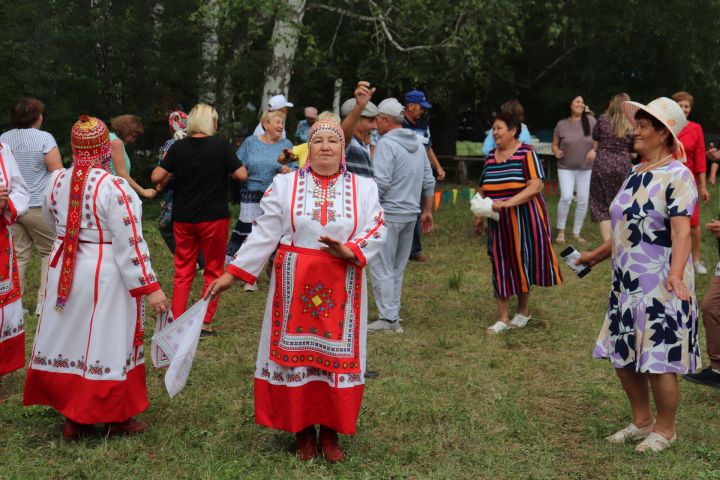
387 268
573 182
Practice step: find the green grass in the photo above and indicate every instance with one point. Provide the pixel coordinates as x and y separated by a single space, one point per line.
451 402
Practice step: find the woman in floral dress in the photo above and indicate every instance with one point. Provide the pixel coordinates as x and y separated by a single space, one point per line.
650 330
613 138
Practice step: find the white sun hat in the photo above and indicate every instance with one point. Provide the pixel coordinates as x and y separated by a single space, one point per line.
666 111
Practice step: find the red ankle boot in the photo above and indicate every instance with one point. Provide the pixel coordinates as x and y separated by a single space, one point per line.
128 427
75 431
306 443
330 445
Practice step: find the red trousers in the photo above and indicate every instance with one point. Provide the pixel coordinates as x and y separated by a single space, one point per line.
191 238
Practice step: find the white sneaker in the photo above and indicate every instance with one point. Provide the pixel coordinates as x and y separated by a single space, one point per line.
250 287
383 325
631 432
700 267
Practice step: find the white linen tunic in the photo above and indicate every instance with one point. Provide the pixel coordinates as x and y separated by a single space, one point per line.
12 331
311 359
88 360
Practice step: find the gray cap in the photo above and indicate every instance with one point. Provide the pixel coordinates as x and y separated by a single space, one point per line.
370 109
391 106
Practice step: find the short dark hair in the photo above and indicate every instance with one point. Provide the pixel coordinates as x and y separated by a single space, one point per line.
510 120
514 107
25 112
657 126
125 125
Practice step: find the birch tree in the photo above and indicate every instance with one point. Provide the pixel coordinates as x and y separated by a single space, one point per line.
284 42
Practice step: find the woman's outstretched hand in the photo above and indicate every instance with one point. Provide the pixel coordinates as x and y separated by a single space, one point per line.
337 249
676 284
220 284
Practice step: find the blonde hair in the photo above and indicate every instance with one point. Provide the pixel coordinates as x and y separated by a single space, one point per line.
202 119
328 115
621 127
269 115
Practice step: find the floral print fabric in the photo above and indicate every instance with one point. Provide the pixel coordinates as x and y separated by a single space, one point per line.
646 327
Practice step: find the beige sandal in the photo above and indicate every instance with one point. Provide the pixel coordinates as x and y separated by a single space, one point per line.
655 443
498 327
560 238
579 240
519 321
631 432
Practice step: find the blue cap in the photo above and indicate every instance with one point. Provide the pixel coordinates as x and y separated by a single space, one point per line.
416 96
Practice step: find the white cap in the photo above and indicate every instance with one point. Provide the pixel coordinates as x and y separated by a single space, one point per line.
277 102
370 110
391 106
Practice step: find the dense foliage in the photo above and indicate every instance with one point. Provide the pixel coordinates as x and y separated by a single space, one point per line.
145 57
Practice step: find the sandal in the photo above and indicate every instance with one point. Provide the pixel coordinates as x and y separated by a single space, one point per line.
655 443
631 432
519 321
498 327
579 240
560 238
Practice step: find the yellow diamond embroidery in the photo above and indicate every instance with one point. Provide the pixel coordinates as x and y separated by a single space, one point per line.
316 300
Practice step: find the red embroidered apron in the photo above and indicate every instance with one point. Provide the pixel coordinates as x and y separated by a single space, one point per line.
315 311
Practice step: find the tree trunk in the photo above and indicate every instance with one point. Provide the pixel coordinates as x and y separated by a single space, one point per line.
209 52
337 91
284 40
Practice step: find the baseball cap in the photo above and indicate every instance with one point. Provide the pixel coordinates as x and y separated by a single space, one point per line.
277 102
370 110
416 96
391 106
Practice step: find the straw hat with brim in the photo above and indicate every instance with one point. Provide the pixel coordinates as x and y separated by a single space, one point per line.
665 110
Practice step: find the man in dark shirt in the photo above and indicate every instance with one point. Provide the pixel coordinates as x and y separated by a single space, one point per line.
357 153
415 106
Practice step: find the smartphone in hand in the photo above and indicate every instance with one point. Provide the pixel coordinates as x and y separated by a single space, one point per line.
570 255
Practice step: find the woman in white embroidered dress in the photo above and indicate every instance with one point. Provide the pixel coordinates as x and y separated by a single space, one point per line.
87 360
311 360
14 199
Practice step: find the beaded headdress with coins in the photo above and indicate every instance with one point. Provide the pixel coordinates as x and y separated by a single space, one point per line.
325 126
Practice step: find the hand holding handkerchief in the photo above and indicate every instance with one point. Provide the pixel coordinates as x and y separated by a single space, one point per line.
482 207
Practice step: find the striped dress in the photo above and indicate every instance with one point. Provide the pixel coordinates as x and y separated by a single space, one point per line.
519 243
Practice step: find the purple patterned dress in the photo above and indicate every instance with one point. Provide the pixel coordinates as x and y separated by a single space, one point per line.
646 327
610 168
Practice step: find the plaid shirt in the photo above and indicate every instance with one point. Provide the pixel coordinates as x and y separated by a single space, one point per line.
357 159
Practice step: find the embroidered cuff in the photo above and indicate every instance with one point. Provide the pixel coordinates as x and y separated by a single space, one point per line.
359 256
145 289
241 274
10 212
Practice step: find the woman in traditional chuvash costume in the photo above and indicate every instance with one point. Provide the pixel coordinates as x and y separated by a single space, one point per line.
87 360
311 360
14 198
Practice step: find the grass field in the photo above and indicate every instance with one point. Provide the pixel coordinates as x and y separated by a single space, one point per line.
451 402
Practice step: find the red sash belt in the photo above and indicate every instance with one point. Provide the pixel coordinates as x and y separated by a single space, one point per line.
56 257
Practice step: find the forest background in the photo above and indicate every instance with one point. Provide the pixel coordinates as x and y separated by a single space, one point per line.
106 57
